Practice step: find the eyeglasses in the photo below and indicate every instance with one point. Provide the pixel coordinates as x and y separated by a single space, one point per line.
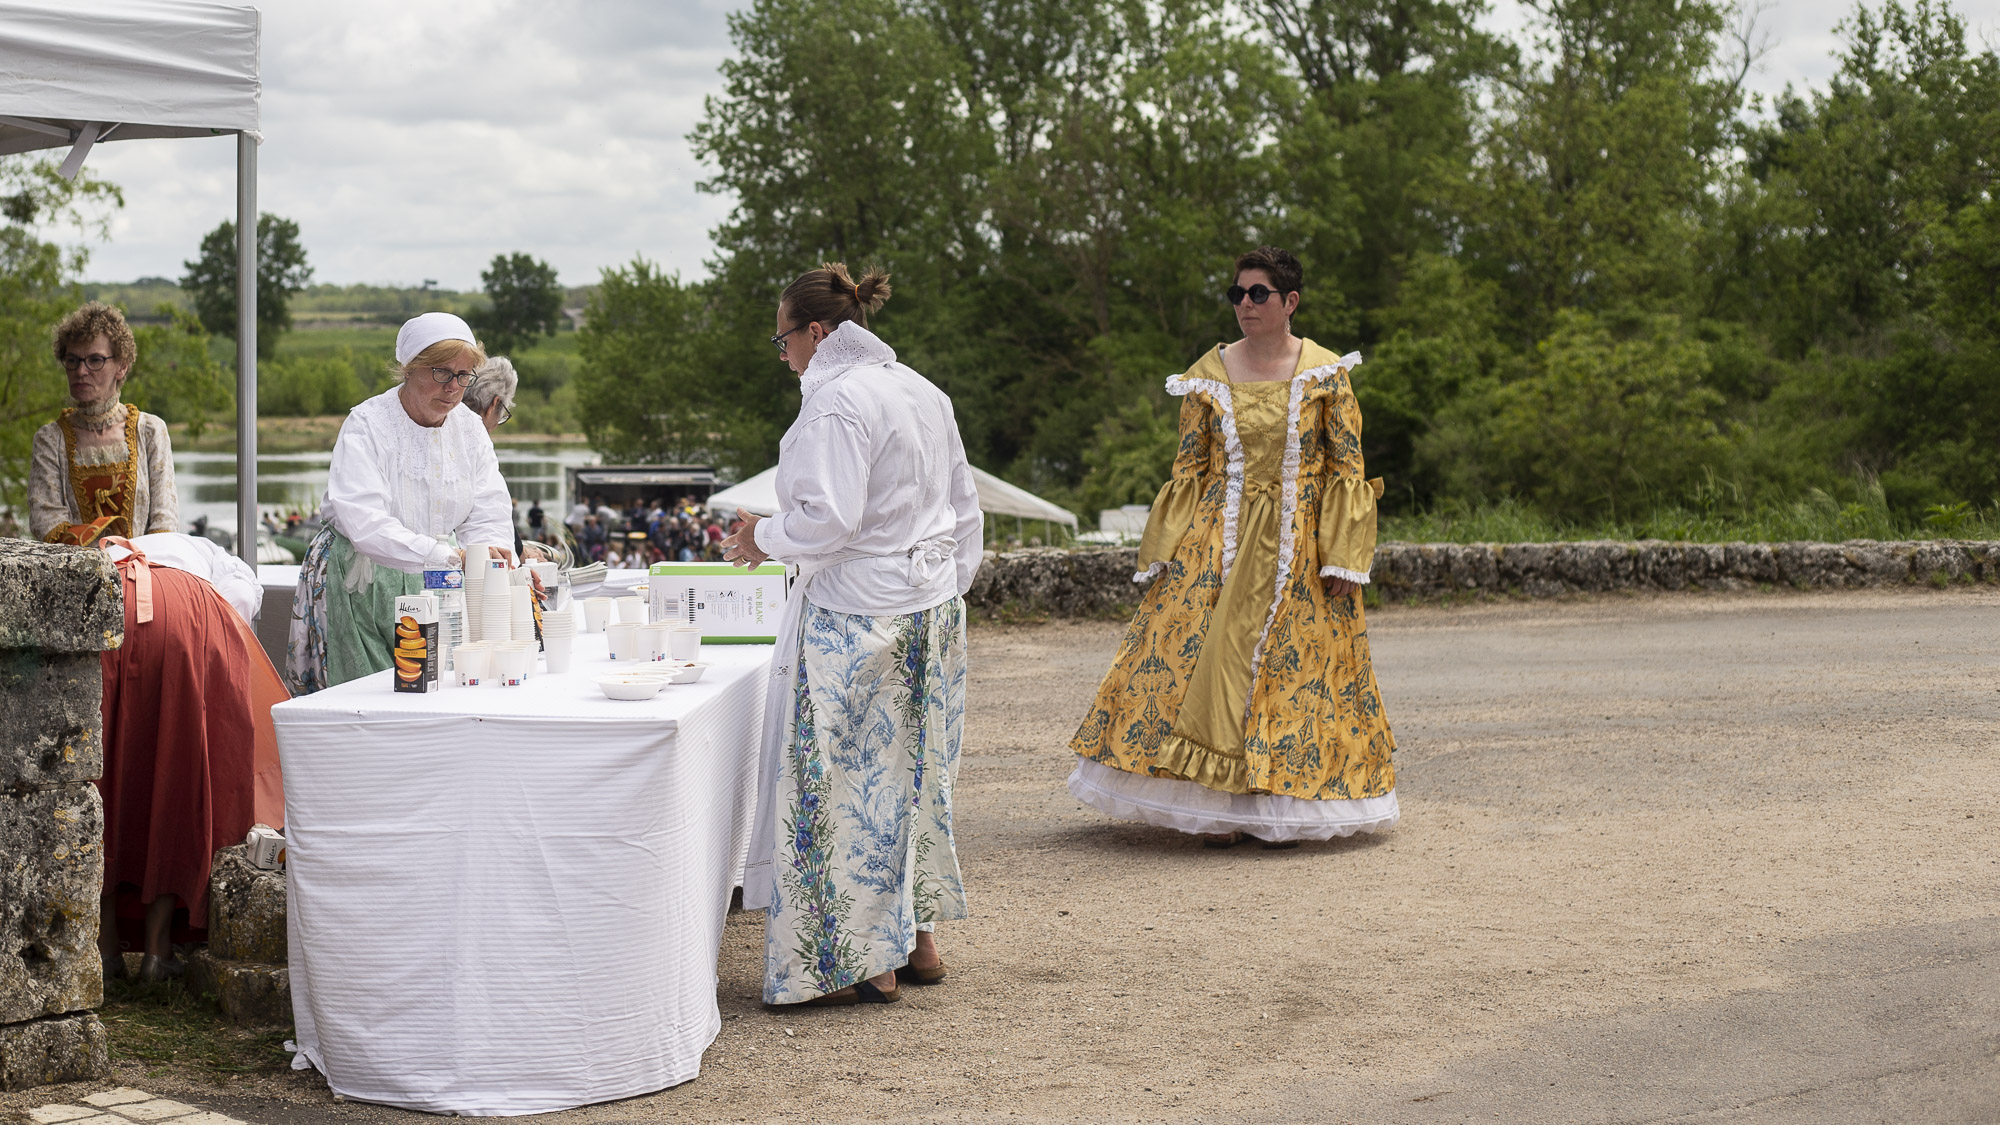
506 412
1258 294
94 362
447 375
779 342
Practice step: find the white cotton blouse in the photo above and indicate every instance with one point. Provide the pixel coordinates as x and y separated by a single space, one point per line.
876 503
233 578
400 491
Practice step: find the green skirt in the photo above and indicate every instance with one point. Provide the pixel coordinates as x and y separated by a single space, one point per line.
339 634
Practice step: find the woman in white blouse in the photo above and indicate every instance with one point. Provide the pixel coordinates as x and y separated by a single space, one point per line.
411 474
852 851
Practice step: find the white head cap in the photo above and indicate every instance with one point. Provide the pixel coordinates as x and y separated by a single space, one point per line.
420 332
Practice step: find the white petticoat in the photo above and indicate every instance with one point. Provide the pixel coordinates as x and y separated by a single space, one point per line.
1187 807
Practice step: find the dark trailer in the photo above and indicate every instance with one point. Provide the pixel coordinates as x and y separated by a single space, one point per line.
620 485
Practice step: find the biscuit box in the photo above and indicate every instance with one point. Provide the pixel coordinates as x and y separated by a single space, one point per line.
416 651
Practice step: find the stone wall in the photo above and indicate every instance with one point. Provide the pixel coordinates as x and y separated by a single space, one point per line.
244 963
59 607
1096 582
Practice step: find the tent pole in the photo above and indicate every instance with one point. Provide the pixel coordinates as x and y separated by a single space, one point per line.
246 348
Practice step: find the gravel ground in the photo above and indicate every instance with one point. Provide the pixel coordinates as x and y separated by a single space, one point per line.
1694 857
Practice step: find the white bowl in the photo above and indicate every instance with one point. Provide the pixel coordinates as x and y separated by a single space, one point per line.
688 673
621 687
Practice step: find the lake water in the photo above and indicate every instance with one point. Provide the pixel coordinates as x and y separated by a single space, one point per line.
288 481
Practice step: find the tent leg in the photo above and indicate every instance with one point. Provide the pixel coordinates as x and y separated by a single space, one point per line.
246 348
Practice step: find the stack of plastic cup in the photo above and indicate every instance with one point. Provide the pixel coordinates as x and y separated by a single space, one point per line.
558 630
475 593
596 614
496 615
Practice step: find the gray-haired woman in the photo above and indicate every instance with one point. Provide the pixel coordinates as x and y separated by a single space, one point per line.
491 395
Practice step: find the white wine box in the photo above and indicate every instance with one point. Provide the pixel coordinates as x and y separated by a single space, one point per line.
729 604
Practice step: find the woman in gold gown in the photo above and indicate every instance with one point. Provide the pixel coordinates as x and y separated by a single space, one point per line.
1243 700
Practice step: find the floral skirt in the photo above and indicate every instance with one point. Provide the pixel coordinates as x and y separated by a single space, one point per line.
864 851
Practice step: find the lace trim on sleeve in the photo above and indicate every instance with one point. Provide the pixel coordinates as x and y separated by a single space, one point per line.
1289 505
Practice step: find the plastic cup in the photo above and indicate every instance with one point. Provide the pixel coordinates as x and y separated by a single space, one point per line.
623 640
474 663
684 643
513 662
651 643
556 650
596 614
632 609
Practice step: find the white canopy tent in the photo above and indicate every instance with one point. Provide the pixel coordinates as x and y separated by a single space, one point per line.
759 496
74 75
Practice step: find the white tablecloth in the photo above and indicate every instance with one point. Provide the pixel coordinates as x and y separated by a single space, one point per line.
509 900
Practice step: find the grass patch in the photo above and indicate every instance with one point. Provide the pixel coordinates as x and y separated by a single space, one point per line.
168 1029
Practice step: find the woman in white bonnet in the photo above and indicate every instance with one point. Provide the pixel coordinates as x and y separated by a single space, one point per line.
413 482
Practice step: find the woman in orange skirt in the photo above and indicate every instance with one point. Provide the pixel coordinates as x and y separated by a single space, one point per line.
186 697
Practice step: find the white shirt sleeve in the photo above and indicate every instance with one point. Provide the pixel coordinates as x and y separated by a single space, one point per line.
969 525
491 523
357 500
234 579
826 472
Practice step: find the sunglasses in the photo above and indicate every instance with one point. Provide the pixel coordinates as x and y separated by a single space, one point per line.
94 363
1258 294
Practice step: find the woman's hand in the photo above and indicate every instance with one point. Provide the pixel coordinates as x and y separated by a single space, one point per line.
741 547
1338 587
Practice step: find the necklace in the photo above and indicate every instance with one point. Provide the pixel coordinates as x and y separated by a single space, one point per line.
98 417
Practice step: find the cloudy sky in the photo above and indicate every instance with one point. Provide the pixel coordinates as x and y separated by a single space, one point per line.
413 139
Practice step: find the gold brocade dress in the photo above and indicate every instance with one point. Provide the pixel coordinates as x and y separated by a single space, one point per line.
1243 697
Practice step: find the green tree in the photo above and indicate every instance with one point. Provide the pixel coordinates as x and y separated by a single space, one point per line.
1614 415
649 389
281 272
37 289
526 303
1395 85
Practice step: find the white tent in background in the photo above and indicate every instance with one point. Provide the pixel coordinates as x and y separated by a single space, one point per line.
73 75
759 496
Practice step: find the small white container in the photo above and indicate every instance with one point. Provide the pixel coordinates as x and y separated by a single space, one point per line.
684 643
556 652
652 642
514 661
596 614
473 663
688 673
623 640
632 609
619 687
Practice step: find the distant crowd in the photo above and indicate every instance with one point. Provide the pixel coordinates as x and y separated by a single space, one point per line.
643 534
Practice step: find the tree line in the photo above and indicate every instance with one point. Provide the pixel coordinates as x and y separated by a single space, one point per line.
1594 279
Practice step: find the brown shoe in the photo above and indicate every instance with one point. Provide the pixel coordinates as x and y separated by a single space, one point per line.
910 974
1221 839
840 998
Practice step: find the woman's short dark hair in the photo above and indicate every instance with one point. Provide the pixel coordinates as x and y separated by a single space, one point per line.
1287 276
90 321
830 296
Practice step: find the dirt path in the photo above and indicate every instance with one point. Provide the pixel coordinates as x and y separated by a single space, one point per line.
1727 857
